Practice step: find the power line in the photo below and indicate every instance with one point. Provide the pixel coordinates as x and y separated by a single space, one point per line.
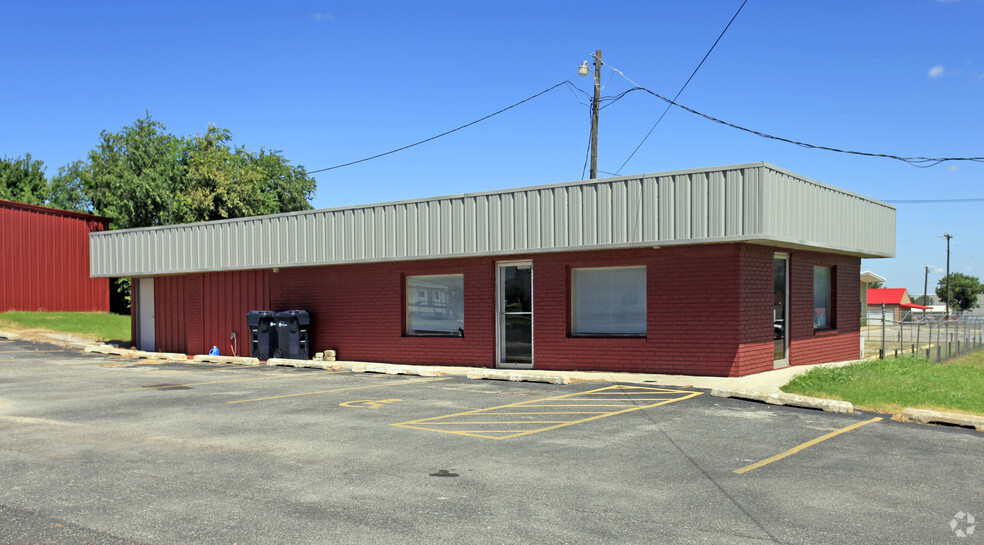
566 82
919 162
644 138
933 201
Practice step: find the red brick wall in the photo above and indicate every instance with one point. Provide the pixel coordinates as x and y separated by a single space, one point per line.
358 311
709 310
755 298
807 346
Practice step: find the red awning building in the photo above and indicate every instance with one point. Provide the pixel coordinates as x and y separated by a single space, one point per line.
897 303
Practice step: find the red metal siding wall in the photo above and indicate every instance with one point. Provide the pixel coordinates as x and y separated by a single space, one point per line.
227 297
194 312
709 310
171 323
44 259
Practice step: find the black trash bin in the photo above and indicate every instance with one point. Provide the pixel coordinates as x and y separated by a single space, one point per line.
293 330
262 333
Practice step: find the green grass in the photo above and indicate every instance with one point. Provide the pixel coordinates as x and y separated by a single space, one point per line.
974 360
101 326
893 384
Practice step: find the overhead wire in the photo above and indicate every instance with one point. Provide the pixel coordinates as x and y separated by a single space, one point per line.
692 74
507 108
933 201
919 162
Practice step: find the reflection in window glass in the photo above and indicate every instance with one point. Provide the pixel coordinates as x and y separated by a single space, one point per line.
608 301
436 305
823 298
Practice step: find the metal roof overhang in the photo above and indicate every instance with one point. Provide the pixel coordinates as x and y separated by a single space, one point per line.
753 203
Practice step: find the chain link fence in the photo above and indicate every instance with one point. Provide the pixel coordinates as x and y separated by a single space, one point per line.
934 337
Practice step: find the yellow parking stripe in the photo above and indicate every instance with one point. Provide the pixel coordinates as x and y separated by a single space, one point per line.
807 444
632 398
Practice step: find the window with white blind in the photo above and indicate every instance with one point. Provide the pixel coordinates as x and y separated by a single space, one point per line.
608 301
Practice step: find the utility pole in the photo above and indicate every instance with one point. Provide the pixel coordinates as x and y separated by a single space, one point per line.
595 107
947 236
925 300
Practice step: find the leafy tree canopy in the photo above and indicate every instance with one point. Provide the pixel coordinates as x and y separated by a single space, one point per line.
963 290
143 176
876 285
22 180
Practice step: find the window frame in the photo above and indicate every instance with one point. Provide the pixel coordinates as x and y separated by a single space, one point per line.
411 294
829 322
573 321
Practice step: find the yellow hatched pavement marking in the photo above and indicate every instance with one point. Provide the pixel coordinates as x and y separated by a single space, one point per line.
489 428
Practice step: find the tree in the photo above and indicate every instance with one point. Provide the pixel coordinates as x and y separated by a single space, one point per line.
133 175
876 285
67 189
22 180
224 182
963 290
143 176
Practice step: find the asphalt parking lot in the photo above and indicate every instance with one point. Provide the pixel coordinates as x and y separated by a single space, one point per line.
101 449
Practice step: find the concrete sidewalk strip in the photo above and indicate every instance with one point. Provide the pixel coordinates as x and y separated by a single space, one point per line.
205 358
782 398
10 336
924 416
312 364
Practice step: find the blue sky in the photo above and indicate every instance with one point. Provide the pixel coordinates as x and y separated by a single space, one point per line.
332 82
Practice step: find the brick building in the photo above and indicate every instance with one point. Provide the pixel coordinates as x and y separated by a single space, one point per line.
721 271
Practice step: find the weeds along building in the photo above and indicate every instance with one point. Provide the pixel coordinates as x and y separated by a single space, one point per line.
717 271
44 260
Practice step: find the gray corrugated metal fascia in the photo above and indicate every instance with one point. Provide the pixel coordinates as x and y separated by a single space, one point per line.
461 196
841 190
518 254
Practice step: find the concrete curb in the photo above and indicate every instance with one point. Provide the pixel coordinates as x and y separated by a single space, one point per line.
205 358
312 364
127 353
392 369
923 416
527 376
782 398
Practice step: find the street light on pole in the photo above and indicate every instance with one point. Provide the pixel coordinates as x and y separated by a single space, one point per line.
595 106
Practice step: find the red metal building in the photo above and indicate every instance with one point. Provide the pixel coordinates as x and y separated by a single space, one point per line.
44 260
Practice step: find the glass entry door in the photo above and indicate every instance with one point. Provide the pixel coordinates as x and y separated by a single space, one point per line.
780 309
515 324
